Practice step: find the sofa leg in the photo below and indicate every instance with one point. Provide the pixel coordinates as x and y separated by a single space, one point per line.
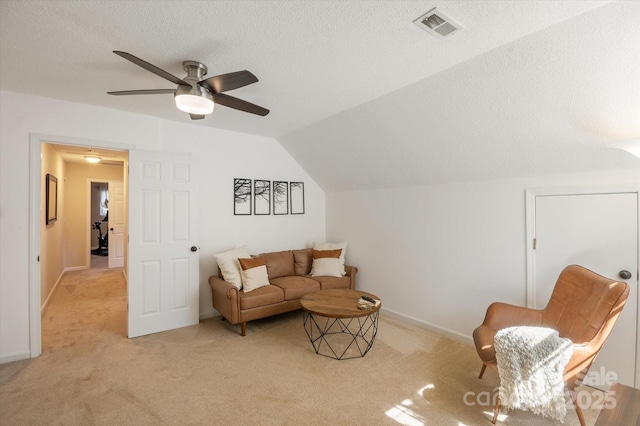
484 367
243 329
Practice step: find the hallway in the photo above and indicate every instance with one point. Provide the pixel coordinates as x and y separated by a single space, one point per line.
89 308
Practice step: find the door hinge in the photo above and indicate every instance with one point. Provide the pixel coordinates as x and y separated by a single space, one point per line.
535 243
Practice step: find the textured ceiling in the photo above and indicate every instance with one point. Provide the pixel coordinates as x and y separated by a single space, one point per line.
548 103
357 80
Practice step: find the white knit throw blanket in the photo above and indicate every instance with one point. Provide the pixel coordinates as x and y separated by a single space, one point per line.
531 363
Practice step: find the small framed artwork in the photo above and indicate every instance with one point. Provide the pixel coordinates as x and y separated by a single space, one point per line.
280 197
261 197
296 191
51 199
241 196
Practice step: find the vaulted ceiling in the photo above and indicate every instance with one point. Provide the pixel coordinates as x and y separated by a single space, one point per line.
358 94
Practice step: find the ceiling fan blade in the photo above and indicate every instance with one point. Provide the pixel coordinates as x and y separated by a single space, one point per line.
239 104
225 82
196 116
142 92
152 68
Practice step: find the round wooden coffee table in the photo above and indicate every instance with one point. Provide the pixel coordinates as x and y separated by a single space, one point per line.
335 325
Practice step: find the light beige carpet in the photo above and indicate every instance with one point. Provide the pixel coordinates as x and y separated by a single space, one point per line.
91 374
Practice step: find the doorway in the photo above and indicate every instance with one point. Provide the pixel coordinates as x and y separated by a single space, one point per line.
69 250
99 220
600 232
163 259
106 211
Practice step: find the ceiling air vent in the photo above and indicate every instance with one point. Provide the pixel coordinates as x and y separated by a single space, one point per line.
437 24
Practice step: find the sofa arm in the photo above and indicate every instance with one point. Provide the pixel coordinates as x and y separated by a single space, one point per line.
351 273
225 299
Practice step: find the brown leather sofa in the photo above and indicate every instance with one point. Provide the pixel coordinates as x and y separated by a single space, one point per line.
290 279
584 307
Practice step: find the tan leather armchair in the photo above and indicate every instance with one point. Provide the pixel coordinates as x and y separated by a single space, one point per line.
584 307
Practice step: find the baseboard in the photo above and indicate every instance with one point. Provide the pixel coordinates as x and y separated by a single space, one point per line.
18 356
208 314
55 286
435 328
75 268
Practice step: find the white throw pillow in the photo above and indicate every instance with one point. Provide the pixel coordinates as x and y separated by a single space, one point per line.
334 246
229 265
326 267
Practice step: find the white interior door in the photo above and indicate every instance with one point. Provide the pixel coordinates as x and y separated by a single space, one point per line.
163 259
599 232
115 225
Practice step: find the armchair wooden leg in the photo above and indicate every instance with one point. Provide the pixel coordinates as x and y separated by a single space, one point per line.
574 399
484 367
496 411
243 328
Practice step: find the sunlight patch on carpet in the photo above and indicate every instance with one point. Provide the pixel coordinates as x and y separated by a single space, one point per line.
501 417
404 416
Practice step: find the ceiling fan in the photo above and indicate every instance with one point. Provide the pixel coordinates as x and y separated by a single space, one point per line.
195 95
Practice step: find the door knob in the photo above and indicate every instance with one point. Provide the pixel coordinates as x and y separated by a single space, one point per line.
111 229
194 248
625 275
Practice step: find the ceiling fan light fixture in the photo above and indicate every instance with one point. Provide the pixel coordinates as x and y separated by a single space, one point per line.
194 94
92 159
195 101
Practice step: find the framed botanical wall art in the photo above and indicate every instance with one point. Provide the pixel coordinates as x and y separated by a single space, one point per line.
241 196
296 191
280 197
261 197
51 199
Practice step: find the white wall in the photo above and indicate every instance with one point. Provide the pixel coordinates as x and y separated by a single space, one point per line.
440 254
223 156
52 234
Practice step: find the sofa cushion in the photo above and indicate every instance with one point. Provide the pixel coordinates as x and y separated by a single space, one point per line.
263 296
329 283
302 260
253 273
229 265
279 264
333 246
326 263
295 287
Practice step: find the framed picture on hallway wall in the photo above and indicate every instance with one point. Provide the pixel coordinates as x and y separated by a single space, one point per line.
51 199
280 197
241 196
